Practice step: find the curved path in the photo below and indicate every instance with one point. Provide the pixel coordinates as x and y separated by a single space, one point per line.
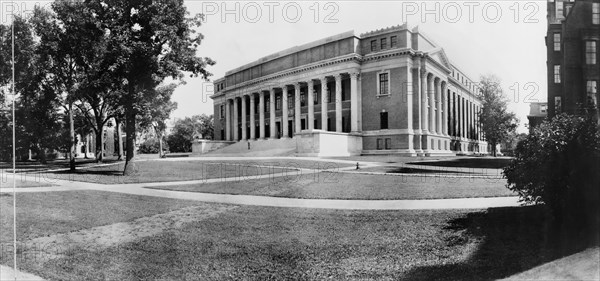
139 189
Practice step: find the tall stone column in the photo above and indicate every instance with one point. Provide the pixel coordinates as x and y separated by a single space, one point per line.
297 116
284 110
424 113
338 103
272 114
311 105
324 104
236 136
244 136
440 108
227 120
445 108
252 117
416 91
431 90
459 113
261 113
354 102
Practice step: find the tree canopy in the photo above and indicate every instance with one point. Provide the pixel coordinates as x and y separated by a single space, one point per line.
496 121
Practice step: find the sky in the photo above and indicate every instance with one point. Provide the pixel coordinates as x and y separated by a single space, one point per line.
504 38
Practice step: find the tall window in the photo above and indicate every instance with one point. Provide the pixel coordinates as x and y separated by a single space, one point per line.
373 45
557 74
302 99
559 10
590 52
383 84
592 91
278 103
267 104
393 41
315 97
557 41
595 13
290 101
222 110
383 43
383 120
557 105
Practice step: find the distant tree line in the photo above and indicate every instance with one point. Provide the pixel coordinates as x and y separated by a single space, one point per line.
80 64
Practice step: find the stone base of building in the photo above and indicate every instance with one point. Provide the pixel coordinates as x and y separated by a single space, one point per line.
205 146
319 143
395 152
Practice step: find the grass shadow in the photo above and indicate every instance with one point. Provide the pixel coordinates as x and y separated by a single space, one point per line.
404 170
513 240
486 163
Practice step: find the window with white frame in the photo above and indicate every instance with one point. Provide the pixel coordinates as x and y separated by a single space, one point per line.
592 91
559 10
383 85
556 41
557 105
557 73
222 111
595 13
590 52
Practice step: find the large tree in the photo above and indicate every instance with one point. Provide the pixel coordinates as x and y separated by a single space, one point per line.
156 111
184 130
148 41
496 121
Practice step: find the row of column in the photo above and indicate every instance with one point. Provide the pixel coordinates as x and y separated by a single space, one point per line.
464 120
232 125
445 112
432 113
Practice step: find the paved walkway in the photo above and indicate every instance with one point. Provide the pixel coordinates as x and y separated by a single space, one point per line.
8 273
139 189
581 266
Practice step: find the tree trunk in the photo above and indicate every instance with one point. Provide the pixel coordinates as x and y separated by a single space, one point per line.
120 141
100 145
42 155
85 146
130 134
493 149
72 137
160 146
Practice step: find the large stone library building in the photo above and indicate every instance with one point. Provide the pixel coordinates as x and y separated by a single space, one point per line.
389 91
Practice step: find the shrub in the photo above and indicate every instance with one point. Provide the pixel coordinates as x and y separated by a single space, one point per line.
558 165
151 146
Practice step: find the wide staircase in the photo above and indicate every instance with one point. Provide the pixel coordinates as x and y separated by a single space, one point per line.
262 148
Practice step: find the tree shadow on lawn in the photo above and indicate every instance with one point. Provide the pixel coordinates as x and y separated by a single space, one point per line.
486 163
513 240
403 170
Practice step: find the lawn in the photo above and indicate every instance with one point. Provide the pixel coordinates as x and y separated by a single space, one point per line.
164 171
262 243
326 185
46 213
8 183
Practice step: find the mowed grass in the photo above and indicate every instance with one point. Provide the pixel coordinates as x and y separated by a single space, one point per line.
263 243
164 171
46 213
19 183
327 185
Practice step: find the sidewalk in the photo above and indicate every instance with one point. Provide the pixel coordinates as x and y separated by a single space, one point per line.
8 273
581 266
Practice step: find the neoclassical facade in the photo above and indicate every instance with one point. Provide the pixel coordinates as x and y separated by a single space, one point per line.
389 91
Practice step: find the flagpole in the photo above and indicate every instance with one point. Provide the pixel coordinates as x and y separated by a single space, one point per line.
14 155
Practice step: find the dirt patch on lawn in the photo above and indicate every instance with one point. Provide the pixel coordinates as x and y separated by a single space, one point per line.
44 249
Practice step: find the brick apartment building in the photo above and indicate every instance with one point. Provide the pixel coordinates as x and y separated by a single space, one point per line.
573 44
